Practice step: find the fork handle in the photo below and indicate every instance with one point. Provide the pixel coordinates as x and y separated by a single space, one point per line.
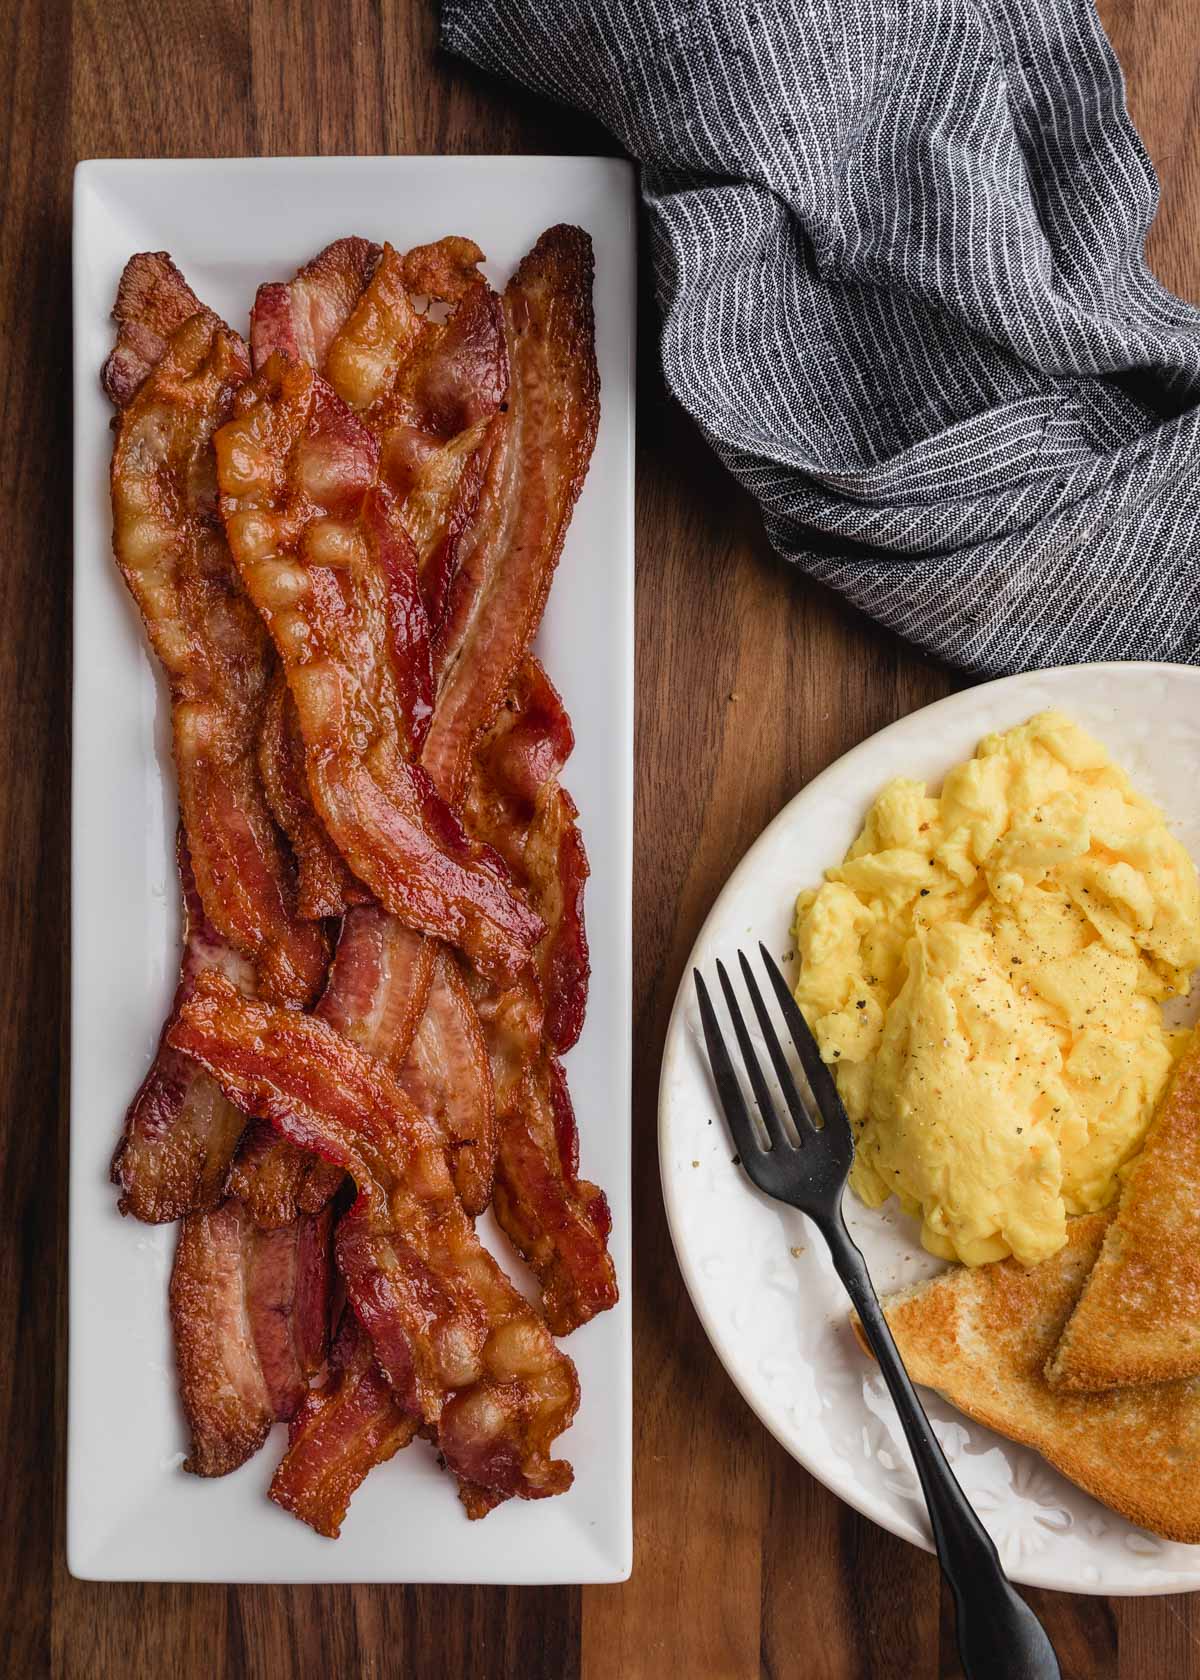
999 1637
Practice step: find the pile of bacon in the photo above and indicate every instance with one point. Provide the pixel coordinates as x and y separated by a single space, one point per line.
341 544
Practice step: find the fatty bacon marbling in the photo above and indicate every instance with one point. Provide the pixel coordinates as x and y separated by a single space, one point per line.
460 1346
250 1315
429 387
324 557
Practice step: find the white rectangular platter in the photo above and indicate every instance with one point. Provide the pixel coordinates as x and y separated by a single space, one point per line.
132 1513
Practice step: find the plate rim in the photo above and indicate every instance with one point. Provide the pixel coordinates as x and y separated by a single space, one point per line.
882 1517
604 1553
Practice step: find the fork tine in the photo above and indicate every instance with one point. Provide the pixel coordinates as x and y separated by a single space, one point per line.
801 1118
766 1108
730 1092
819 1077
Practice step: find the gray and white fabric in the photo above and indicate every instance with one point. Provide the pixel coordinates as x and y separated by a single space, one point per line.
898 248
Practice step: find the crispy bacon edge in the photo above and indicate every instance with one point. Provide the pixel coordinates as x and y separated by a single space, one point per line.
458 1343
449 1079
250 1314
301 317
508 554
325 886
341 1431
153 302
181 1134
516 803
558 1222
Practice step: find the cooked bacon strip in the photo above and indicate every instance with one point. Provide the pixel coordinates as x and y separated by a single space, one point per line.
427 388
302 317
508 554
153 302
287 1303
276 1182
221 1383
402 998
375 995
557 1222
458 1343
343 1429
180 1133
537 467
448 1077
378 983
365 362
325 884
249 1314
515 802
323 556
395 359
172 553
438 508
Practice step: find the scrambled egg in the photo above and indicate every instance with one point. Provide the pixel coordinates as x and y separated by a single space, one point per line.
985 971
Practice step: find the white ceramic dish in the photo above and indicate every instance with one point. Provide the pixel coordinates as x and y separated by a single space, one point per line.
131 1513
760 1277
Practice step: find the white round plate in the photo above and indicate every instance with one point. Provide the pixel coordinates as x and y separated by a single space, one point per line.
759 1275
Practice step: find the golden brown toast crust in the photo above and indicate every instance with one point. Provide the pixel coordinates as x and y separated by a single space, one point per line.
1138 1319
981 1335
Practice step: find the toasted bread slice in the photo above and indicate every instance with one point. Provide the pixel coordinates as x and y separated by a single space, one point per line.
1138 1319
981 1336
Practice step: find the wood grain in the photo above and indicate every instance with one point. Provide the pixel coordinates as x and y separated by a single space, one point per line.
750 680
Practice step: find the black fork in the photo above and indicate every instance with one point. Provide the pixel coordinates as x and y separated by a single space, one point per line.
999 1637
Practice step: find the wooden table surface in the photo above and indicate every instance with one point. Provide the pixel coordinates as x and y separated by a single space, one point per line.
750 680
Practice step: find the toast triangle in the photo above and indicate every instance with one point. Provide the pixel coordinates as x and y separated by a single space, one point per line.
1138 1318
981 1335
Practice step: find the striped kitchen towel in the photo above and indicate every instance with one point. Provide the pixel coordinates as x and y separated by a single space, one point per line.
898 247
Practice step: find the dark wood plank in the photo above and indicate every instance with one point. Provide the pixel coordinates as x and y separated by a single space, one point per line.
1084 1631
1159 1636
35 455
169 79
840 1597
1156 43
1159 50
